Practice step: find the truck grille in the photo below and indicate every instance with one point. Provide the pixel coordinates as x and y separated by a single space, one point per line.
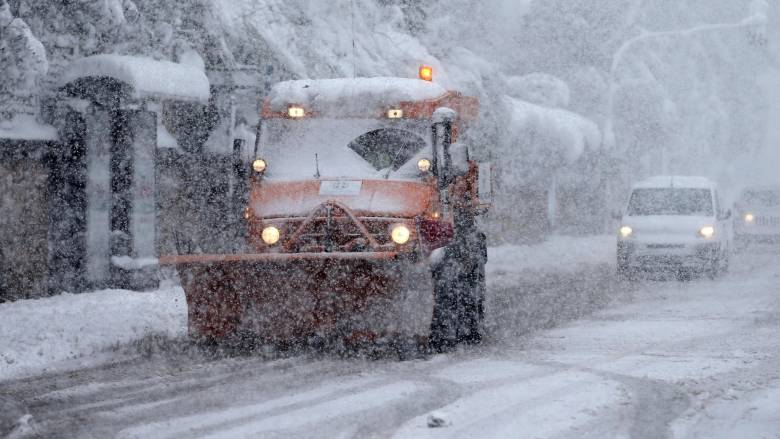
343 235
332 227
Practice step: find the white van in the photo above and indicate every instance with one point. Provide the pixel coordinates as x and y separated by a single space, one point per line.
674 222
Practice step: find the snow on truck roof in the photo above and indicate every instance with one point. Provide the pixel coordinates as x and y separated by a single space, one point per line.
676 181
147 77
351 96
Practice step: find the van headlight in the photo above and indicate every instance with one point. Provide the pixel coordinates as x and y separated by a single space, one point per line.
626 232
707 232
749 218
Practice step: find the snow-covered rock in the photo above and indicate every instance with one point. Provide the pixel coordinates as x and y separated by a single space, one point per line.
438 419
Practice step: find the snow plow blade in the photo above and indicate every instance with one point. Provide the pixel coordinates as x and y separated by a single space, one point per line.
290 296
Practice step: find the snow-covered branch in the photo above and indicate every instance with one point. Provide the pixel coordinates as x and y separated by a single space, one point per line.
757 18
22 62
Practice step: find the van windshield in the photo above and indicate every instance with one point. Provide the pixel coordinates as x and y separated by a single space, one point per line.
670 201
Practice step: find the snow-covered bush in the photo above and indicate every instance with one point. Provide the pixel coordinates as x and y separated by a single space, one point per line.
22 63
541 89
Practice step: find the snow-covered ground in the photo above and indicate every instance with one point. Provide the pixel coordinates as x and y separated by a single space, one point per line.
675 359
73 330
559 254
69 331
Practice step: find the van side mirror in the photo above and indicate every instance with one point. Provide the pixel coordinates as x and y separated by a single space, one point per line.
617 215
725 215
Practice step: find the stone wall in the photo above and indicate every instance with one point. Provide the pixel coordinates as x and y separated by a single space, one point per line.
24 220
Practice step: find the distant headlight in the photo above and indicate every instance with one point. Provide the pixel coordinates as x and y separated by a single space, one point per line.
424 165
400 234
270 235
707 232
749 218
625 231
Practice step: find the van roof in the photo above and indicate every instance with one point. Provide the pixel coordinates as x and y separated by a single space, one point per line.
676 181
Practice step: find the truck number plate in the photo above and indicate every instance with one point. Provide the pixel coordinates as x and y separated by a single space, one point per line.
340 188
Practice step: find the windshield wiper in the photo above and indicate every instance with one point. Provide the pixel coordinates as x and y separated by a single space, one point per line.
395 159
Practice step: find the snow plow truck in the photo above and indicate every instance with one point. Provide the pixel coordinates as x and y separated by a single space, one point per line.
360 219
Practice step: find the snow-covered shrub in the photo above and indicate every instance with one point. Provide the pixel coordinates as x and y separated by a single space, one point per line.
22 63
541 89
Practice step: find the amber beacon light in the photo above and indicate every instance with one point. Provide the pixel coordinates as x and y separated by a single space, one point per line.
426 73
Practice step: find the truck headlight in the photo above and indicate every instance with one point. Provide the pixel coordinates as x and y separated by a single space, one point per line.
707 232
424 165
400 234
625 232
749 218
270 235
259 165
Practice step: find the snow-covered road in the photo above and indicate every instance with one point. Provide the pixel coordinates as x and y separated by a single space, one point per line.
664 359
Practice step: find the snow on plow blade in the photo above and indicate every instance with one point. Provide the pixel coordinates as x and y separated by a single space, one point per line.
289 296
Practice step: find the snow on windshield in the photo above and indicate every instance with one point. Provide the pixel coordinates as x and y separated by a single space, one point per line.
387 147
670 201
342 148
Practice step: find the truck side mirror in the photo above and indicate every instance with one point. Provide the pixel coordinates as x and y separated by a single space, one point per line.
617 215
724 215
485 184
441 140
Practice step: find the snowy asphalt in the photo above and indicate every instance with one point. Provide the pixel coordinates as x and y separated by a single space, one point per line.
576 354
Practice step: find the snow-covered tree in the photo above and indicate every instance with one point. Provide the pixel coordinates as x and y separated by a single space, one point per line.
22 63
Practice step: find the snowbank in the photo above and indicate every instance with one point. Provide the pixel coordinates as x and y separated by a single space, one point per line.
148 77
25 127
558 254
562 133
41 335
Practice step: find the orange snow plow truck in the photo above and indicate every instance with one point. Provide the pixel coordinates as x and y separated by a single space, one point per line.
360 218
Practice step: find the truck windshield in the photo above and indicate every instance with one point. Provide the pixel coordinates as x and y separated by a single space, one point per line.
670 201
387 147
342 148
